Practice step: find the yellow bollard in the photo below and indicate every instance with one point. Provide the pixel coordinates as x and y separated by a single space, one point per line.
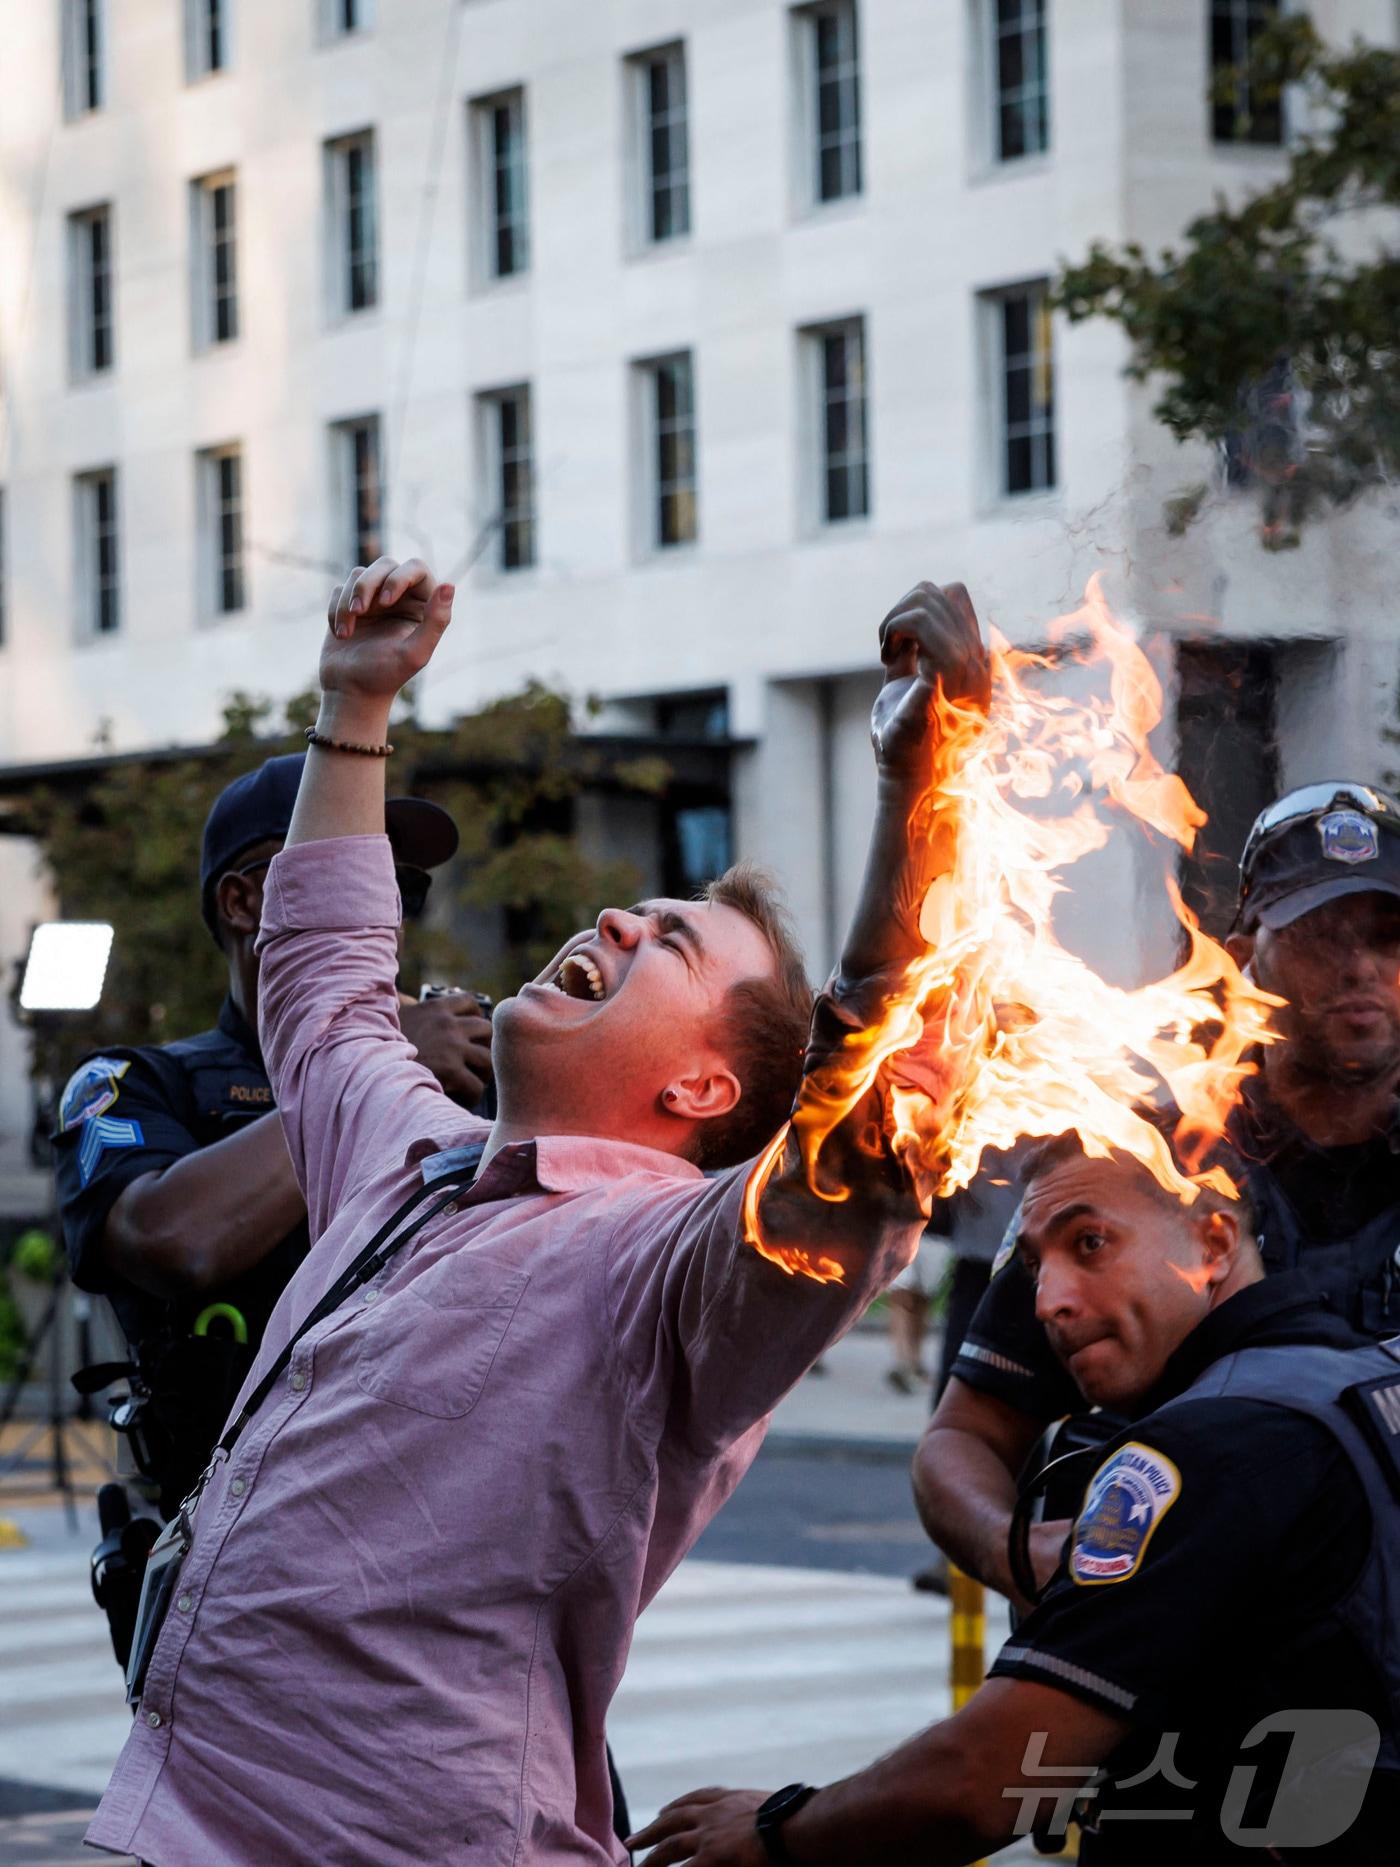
967 1625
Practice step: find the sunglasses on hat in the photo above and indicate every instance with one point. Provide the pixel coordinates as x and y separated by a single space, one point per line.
413 885
1316 800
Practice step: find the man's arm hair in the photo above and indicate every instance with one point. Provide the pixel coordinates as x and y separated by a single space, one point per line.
204 1220
965 1473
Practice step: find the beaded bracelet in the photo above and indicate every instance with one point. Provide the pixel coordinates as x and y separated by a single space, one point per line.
313 738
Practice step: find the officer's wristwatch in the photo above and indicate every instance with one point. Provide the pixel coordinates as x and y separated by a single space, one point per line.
769 1817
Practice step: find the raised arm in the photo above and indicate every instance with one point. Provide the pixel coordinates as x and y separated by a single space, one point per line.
835 1175
349 1092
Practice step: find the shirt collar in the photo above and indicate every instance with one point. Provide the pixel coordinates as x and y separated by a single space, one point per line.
554 1163
1285 1306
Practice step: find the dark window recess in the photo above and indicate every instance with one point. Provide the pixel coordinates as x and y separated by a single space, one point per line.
1264 445
1022 79
510 230
845 457
229 531
836 80
1242 115
1227 754
224 261
101 570
676 516
697 841
667 147
693 716
360 440
1028 392
89 55
361 283
515 456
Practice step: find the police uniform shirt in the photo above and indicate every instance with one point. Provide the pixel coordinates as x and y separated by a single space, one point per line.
129 1112
1204 1605
1330 1193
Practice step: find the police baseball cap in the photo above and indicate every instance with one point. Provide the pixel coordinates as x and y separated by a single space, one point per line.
257 808
1315 845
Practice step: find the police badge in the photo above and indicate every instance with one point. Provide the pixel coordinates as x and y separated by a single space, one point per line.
1348 837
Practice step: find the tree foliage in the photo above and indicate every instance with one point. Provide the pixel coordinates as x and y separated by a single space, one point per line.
124 848
1274 326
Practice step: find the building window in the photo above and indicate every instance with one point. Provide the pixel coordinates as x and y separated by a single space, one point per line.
503 190
99 575
353 220
359 490
208 37
831 63
510 466
1021 77
668 394
340 18
1024 388
220 496
90 291
837 354
1241 116
213 204
663 138
84 56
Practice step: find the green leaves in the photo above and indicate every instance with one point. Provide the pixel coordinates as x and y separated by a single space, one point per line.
124 847
1273 327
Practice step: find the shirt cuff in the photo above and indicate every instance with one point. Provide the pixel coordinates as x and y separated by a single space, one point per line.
344 882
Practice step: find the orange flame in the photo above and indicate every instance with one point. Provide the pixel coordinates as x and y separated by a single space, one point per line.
999 1032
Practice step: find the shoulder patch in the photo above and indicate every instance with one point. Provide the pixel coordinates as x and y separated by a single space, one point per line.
92 1089
1127 1498
1006 1250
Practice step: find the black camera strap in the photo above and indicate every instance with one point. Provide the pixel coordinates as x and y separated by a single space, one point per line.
369 1263
167 1554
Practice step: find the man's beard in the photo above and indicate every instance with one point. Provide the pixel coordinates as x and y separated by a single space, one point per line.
1314 1057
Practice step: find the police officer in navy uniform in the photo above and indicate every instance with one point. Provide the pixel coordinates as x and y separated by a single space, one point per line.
177 1195
1213 1673
1318 922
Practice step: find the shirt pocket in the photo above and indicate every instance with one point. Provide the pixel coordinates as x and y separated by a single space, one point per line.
432 1347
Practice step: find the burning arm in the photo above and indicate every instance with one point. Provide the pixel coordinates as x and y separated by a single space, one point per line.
811 1194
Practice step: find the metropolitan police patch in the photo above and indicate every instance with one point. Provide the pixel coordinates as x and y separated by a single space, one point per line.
1128 1497
92 1089
1349 837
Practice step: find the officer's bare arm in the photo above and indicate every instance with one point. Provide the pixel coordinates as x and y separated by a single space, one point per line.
965 1474
949 1796
208 1218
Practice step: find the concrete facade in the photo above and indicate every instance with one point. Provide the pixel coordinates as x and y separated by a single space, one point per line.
768 605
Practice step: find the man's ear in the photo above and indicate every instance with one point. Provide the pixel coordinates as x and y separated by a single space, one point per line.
238 899
702 1096
1219 1234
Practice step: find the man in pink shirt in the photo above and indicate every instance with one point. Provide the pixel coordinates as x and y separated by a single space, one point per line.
414 1578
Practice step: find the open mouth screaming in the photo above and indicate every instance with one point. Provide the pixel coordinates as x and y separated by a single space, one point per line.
578 977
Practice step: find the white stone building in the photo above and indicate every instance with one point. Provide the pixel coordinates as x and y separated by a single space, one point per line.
685 333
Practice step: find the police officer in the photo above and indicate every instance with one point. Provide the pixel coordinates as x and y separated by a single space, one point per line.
177 1194
1230 1579
1318 922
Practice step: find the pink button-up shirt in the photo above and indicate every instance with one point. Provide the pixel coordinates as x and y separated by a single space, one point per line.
413 1584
